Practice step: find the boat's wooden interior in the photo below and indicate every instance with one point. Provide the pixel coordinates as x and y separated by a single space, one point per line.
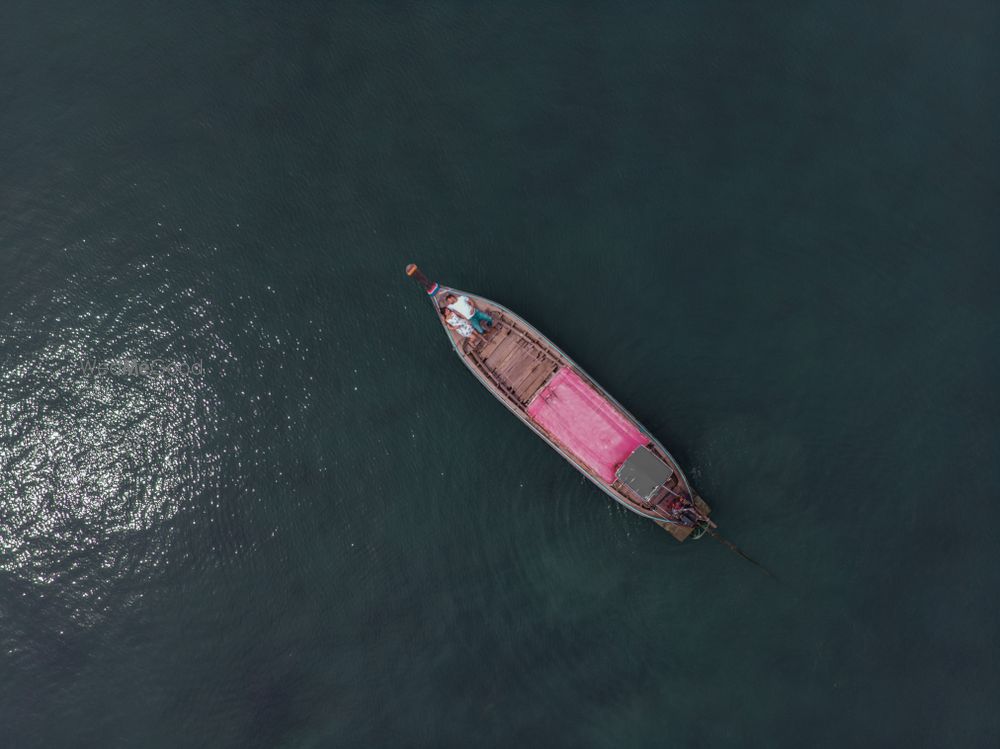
513 359
516 363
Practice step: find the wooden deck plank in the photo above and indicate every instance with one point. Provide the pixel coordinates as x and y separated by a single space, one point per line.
513 355
526 373
518 369
495 340
530 356
530 383
504 338
527 390
680 532
517 363
494 360
501 386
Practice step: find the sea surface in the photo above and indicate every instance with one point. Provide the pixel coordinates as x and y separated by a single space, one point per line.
249 497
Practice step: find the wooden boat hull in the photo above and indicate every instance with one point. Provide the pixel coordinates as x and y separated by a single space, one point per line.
521 367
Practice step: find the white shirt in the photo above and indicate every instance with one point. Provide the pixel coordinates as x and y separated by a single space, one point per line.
463 307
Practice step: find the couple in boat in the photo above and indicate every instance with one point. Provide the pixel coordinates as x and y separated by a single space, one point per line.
461 315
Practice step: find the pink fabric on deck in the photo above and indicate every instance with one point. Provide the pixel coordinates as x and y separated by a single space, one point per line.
585 422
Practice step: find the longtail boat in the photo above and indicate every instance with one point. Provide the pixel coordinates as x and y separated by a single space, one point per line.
550 393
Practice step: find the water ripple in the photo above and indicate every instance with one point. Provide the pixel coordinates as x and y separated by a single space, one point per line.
107 431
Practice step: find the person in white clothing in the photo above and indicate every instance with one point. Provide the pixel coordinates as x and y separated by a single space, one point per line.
464 307
459 324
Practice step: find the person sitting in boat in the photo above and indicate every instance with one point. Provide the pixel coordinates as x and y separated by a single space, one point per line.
674 505
458 324
682 511
464 307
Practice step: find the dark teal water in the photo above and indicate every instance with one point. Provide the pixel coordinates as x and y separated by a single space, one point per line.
772 232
